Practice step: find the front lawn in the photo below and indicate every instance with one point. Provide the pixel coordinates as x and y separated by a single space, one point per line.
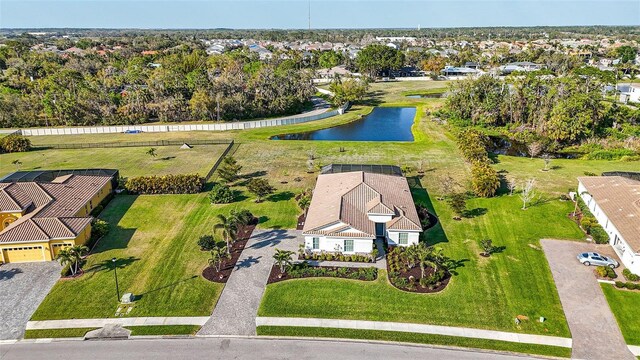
625 304
486 293
414 338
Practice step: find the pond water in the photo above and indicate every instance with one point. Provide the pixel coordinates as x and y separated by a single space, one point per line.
383 124
429 96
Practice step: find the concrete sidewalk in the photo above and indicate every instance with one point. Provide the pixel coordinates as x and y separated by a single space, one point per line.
237 307
417 328
131 321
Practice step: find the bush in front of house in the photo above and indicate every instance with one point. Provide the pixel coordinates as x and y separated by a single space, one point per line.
167 184
606 272
304 270
327 256
221 194
207 242
627 285
587 223
629 275
99 228
14 143
599 235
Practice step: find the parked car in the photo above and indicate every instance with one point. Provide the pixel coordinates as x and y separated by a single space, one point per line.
133 131
591 258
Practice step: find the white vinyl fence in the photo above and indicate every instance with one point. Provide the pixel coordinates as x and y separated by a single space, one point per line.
181 127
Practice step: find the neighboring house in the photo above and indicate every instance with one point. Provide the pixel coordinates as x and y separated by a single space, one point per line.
615 202
262 52
632 94
40 218
460 71
522 66
349 210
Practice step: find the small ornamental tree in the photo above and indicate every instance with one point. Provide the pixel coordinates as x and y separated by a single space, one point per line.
283 259
207 242
528 193
152 152
14 143
229 169
221 194
487 247
458 203
218 255
260 188
484 180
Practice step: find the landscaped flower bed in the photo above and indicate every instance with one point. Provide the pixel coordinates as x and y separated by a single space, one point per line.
327 256
243 235
304 270
418 268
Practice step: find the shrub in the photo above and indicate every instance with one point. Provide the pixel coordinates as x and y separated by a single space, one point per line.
620 284
168 184
14 143
221 194
606 272
588 223
630 276
484 180
207 242
599 235
66 270
472 143
613 154
229 169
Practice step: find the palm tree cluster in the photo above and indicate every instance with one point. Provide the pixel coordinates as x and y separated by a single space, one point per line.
73 257
229 225
283 259
406 258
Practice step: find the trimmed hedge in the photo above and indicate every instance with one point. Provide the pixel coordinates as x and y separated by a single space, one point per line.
629 275
599 235
221 194
606 272
627 285
167 184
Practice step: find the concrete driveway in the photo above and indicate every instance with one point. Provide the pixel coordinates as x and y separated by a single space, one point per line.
22 288
593 327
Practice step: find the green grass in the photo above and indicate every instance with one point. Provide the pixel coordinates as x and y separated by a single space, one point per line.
625 304
131 161
164 330
56 333
135 331
415 338
486 293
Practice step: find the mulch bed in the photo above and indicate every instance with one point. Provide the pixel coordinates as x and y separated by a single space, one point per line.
423 213
276 276
417 274
301 220
244 233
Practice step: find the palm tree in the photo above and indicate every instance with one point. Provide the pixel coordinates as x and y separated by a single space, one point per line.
283 259
229 227
66 258
78 252
152 152
425 259
241 217
218 253
411 255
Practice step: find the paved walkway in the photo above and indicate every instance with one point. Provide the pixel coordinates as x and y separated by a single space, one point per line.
593 327
417 328
23 286
238 305
124 321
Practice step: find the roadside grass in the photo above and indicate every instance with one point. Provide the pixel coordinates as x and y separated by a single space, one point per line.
414 338
131 161
135 331
164 330
625 304
485 293
56 333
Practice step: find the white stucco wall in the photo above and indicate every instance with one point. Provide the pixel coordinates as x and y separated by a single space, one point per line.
392 237
627 254
331 244
380 218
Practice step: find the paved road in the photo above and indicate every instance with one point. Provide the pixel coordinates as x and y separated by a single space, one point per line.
236 348
593 327
236 310
23 286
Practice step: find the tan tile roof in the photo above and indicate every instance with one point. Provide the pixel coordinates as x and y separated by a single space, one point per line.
619 198
52 207
346 198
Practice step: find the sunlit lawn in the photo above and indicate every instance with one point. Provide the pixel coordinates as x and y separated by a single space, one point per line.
625 304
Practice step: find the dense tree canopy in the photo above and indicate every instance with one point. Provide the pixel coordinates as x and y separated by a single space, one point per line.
376 59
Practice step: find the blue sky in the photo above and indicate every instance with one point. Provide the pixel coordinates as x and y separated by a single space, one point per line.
292 14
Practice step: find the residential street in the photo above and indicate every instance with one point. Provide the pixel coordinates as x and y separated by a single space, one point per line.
235 348
593 327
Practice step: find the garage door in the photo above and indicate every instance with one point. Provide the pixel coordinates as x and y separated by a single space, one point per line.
57 247
23 254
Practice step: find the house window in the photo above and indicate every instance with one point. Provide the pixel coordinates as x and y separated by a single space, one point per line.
348 246
403 238
316 243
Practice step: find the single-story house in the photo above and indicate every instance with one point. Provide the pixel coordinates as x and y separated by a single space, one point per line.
349 210
40 218
615 203
632 94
